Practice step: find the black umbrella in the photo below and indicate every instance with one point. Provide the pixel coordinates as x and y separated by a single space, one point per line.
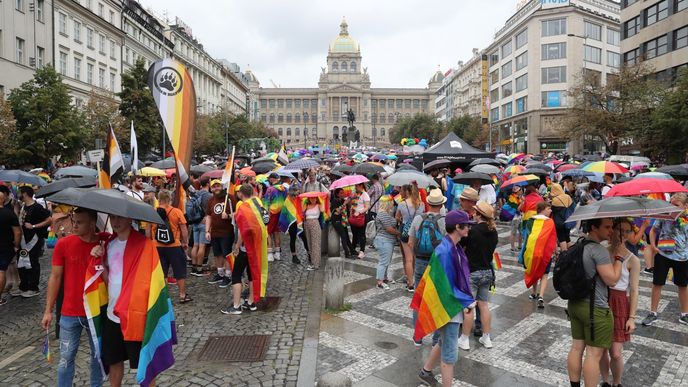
264 158
75 171
337 173
343 168
107 201
165 164
368 169
200 169
674 170
592 158
264 166
484 161
302 164
536 171
406 166
441 163
17 176
69 182
535 164
470 177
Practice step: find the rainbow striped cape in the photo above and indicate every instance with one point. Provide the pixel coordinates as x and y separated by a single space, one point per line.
444 290
540 242
274 198
254 235
530 205
510 207
291 212
324 204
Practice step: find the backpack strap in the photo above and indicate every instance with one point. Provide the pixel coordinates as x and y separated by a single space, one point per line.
592 307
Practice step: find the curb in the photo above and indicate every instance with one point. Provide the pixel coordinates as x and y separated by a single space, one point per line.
309 354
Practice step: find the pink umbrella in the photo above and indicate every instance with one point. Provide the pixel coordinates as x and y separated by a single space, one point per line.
348 181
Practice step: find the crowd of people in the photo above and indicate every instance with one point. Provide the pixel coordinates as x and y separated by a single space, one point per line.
447 223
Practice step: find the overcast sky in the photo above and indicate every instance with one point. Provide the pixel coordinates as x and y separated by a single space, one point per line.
402 41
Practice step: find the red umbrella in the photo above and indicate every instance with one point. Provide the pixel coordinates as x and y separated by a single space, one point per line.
247 171
566 167
314 194
216 174
645 186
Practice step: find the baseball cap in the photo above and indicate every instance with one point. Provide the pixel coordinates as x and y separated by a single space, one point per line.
456 217
215 181
273 175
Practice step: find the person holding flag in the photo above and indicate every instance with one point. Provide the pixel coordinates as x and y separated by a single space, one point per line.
443 299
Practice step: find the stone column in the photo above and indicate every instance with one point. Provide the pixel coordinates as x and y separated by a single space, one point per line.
334 283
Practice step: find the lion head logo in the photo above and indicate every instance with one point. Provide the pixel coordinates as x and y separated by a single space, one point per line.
168 81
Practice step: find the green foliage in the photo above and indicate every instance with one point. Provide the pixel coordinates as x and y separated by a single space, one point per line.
669 128
100 112
137 104
421 126
8 131
212 129
47 123
467 127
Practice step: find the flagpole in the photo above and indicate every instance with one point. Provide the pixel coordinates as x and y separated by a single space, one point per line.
231 174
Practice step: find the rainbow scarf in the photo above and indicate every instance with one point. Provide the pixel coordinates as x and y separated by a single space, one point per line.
444 290
274 198
291 212
540 241
510 207
254 235
324 204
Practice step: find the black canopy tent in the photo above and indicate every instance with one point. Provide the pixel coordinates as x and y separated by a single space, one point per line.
455 149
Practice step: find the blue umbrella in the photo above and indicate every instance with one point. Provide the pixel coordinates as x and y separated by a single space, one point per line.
21 177
577 173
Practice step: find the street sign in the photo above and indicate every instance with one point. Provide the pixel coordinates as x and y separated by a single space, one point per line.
96 156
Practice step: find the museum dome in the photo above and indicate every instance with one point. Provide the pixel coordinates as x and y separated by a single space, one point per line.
344 43
438 77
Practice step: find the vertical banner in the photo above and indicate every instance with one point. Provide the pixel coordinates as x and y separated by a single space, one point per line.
113 163
134 151
175 97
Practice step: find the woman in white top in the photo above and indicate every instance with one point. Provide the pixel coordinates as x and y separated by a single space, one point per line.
311 225
623 301
406 211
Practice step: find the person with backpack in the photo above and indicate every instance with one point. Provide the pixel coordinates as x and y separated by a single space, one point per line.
196 207
406 212
562 208
171 241
582 276
385 238
425 234
34 220
480 246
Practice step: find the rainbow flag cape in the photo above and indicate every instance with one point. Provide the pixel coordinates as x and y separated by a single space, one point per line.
254 234
274 198
291 212
530 205
443 291
540 242
496 261
510 207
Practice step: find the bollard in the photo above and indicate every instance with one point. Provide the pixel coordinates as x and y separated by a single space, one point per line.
334 379
332 241
334 283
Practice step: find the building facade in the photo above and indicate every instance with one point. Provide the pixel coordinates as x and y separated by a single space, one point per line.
655 31
143 36
538 56
308 116
25 41
471 87
234 93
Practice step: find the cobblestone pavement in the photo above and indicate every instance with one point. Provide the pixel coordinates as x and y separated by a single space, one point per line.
21 338
371 343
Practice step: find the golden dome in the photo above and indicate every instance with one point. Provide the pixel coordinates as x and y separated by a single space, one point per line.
344 43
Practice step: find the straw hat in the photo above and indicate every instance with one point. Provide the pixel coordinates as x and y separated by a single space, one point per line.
435 198
484 209
469 194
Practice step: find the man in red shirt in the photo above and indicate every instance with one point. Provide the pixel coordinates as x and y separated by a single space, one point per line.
69 264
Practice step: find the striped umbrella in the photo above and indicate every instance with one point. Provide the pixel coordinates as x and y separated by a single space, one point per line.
520 180
604 167
514 169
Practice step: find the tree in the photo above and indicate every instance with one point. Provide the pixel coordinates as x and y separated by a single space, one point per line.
420 126
137 104
8 132
616 110
669 128
100 112
467 127
48 125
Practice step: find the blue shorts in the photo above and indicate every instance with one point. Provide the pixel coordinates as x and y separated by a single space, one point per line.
198 233
480 284
449 342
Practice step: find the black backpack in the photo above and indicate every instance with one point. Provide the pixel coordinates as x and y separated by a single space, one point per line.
264 214
163 232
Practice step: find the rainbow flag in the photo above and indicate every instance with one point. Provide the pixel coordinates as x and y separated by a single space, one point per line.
254 234
540 242
496 261
443 291
291 212
230 260
274 198
46 348
388 188
95 303
324 204
530 205
510 207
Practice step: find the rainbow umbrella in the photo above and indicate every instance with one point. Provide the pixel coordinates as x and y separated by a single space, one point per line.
360 157
520 180
514 169
604 167
515 157
262 178
348 181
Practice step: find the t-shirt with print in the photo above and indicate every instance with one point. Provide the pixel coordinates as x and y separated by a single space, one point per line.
175 218
115 260
595 254
73 254
672 238
218 227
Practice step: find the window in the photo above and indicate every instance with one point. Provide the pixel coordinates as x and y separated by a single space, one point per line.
280 131
407 104
507 90
101 78
680 5
494 58
89 73
613 37
592 30
521 39
77 31
594 77
314 118
507 110
656 12
416 103
631 57
89 38
522 61
494 95
305 104
297 103
553 98
289 103
613 59
554 27
280 103
272 117
112 49
554 74
305 117
494 114
280 117
521 105
20 50
494 77
305 132
399 103
343 67
506 49
40 10
382 118
553 51
297 116
40 61
592 54
62 23
63 63
506 70
335 67
77 69
297 132
101 10
263 103
112 81
112 17
272 104
681 37
632 26
656 47
353 67
289 118
19 5
101 43
522 82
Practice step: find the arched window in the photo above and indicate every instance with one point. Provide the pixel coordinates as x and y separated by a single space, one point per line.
390 117
288 132
288 117
279 131
335 133
305 132
343 67
382 132
297 132
297 118
335 67
373 118
272 117
280 117
382 118
305 117
353 67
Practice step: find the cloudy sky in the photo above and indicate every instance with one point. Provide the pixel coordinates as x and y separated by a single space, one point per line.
402 41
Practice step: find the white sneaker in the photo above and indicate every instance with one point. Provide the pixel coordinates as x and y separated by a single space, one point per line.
464 343
271 257
15 292
277 255
486 341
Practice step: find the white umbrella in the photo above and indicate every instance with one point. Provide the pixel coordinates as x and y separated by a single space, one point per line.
408 176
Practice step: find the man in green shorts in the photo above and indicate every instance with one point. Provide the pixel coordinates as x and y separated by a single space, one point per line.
596 260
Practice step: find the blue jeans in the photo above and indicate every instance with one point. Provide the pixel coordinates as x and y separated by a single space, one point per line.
70 334
421 265
448 339
385 247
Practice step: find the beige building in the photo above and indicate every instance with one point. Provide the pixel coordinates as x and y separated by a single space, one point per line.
536 58
25 41
306 116
470 87
143 36
655 31
234 93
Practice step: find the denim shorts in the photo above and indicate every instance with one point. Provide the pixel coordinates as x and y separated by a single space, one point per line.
449 342
198 232
480 284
